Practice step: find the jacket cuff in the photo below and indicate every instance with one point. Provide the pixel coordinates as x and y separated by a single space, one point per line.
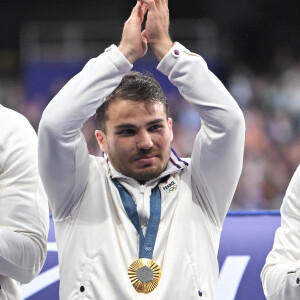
118 59
170 59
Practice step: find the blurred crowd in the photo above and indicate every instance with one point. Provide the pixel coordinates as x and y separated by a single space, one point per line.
271 106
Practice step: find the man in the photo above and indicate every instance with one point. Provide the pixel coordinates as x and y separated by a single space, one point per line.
140 222
281 273
24 215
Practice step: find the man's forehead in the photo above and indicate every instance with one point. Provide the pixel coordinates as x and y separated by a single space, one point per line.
123 107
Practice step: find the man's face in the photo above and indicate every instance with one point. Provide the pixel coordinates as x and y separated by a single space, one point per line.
138 137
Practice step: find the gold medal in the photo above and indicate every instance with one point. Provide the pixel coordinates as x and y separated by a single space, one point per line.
144 274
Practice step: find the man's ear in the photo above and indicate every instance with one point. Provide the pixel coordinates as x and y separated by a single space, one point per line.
170 123
101 139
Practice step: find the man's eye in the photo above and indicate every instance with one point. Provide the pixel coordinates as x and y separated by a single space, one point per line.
126 132
155 127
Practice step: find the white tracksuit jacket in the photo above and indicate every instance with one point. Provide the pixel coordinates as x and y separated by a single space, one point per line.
281 272
24 214
96 240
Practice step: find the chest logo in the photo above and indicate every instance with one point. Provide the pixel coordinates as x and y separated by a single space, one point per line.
170 188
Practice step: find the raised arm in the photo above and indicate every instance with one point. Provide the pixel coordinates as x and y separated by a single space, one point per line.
63 154
24 215
218 150
281 272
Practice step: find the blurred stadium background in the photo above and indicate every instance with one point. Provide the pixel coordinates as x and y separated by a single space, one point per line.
251 45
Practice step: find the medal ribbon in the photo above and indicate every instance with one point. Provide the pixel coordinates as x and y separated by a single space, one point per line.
146 244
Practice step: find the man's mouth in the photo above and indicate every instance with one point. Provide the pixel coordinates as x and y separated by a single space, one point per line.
146 159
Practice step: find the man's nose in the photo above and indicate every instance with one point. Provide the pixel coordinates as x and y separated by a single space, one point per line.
144 141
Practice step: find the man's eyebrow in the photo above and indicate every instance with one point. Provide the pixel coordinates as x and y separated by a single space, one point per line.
156 121
129 125
124 125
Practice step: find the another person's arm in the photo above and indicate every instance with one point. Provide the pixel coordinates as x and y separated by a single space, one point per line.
24 215
281 273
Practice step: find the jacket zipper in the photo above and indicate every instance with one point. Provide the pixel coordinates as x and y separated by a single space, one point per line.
143 217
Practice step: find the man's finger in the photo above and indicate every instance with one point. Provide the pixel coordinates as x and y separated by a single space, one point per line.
144 9
144 34
144 37
164 2
138 11
136 8
150 3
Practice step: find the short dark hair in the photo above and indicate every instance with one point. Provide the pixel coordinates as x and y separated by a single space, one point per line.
134 86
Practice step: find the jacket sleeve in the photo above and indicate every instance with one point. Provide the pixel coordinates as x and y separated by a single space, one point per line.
63 153
24 214
218 150
281 273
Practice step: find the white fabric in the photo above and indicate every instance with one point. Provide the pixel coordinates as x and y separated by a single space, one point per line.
281 272
24 214
96 240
